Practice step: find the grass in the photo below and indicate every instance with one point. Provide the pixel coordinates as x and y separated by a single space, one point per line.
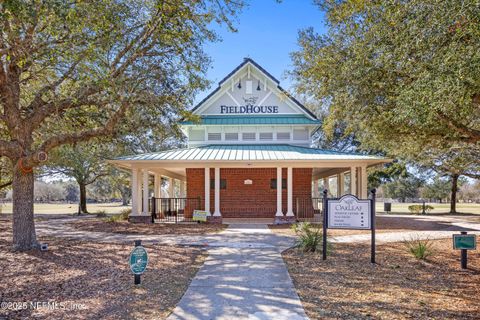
116 208
69 208
438 208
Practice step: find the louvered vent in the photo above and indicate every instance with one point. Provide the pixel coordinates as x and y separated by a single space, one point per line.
214 136
266 136
283 135
231 136
248 136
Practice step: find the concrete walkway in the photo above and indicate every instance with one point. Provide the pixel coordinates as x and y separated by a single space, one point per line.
244 277
244 239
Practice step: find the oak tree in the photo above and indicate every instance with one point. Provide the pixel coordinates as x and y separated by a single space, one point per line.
72 71
399 73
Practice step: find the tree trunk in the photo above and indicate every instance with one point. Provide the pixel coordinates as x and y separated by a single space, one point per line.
24 236
83 198
125 192
453 197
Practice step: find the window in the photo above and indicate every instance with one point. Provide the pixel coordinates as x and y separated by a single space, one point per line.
300 134
197 135
249 87
223 184
283 135
273 184
231 136
214 136
248 136
266 136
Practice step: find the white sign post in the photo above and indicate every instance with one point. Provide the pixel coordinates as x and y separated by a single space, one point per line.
349 212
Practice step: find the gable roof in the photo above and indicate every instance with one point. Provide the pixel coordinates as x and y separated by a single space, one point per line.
246 120
258 152
267 74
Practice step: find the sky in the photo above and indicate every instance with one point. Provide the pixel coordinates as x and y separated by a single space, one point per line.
267 33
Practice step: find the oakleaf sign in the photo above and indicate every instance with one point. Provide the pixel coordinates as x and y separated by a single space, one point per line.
349 212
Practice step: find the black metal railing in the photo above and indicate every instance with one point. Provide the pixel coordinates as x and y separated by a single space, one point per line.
309 209
173 209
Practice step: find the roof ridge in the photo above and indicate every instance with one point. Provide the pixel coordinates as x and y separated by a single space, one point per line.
292 151
256 115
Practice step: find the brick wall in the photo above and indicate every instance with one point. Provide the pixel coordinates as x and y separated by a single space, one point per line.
257 200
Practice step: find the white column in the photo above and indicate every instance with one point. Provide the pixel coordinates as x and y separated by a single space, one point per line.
326 184
182 189
134 186
279 212
289 192
145 191
163 192
353 181
364 184
157 183
341 184
171 187
217 213
315 188
207 190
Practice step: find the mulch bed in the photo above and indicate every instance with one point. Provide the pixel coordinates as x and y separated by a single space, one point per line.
124 227
96 277
383 224
347 286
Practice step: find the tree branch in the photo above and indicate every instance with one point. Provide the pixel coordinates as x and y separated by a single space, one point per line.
472 135
6 184
78 137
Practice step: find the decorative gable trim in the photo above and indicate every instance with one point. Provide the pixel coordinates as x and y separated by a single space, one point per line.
293 101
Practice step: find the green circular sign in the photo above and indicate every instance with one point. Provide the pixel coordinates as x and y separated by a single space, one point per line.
138 260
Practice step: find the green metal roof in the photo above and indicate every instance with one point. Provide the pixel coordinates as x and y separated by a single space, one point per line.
246 120
241 152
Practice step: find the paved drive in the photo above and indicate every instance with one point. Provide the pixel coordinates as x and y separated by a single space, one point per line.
242 279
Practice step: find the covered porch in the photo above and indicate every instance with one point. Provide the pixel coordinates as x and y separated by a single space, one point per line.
247 182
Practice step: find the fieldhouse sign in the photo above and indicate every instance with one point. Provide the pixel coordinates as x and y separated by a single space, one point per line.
248 109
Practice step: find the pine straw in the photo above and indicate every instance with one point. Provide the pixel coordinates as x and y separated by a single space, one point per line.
124 227
347 286
383 224
95 275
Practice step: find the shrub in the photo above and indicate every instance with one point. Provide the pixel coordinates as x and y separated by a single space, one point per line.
114 218
101 213
418 208
309 237
122 216
420 249
125 213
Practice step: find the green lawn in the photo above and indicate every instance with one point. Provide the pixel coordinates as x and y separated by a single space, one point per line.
473 208
64 208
